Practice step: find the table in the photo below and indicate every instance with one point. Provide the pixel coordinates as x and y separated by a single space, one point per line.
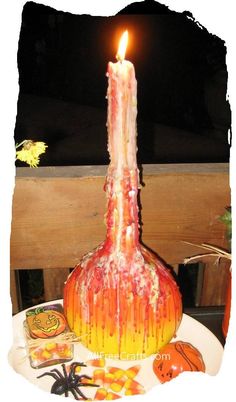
211 317
190 331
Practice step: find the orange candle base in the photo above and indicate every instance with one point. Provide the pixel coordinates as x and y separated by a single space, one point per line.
127 314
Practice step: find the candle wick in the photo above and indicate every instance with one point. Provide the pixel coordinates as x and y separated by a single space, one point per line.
119 59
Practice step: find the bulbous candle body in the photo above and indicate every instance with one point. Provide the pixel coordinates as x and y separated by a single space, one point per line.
120 299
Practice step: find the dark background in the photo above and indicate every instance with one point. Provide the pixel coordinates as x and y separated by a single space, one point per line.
183 114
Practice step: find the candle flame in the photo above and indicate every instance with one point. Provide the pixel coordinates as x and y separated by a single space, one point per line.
122 46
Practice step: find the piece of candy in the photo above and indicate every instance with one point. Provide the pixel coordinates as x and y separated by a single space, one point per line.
118 384
175 358
46 355
118 372
51 346
108 379
35 354
96 362
98 376
132 384
101 394
132 371
62 349
77 369
134 391
111 396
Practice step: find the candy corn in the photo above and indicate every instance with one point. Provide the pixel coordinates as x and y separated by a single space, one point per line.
116 379
133 385
77 369
118 372
98 376
100 394
134 391
50 346
46 354
132 371
110 396
96 362
117 385
108 379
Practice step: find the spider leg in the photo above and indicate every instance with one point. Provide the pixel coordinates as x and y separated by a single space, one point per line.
81 384
73 368
84 376
64 371
75 364
58 373
84 384
51 374
80 392
74 393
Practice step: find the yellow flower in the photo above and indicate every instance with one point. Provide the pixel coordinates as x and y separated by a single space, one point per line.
30 152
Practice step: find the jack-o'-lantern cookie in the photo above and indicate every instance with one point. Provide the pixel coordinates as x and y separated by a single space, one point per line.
45 323
175 358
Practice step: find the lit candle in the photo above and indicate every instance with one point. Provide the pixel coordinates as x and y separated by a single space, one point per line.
123 175
122 110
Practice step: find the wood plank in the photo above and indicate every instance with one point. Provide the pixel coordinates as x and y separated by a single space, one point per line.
215 283
101 170
58 212
54 283
183 207
55 221
15 292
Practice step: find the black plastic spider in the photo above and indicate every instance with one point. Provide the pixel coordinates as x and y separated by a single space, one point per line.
71 382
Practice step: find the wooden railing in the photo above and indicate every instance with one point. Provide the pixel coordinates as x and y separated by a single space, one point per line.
58 215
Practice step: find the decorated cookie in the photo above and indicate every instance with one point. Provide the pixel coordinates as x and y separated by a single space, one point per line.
44 323
175 358
45 330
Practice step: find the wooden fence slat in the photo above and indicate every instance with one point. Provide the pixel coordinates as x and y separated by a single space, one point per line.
58 215
215 283
54 283
15 292
57 219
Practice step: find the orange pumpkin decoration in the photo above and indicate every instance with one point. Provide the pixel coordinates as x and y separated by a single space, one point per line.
175 358
45 323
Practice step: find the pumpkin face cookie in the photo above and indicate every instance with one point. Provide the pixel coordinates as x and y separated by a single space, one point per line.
175 358
43 323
